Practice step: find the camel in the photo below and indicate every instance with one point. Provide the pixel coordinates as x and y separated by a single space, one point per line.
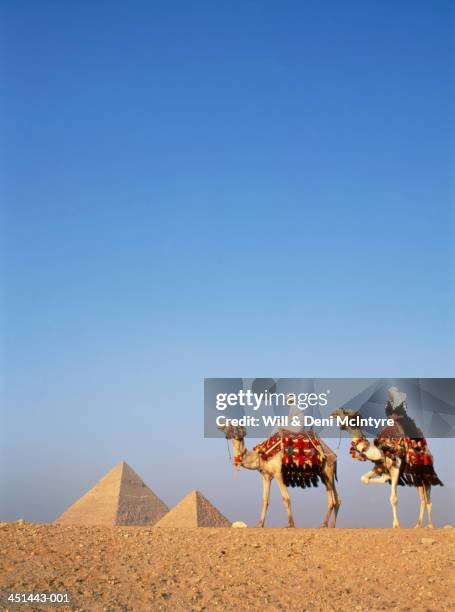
388 468
272 469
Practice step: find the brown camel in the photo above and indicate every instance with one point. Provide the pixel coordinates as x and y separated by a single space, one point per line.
272 469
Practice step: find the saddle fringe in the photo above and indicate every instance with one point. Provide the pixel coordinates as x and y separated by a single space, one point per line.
418 476
301 476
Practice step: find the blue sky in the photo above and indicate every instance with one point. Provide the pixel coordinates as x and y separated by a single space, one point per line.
212 189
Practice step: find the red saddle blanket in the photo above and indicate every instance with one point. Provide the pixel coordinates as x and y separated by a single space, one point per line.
414 450
416 460
302 456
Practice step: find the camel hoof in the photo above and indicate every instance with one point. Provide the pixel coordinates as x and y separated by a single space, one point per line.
417 526
290 526
431 526
260 525
323 526
396 526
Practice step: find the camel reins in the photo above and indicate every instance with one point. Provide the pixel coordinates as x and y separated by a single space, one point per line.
237 458
339 440
228 449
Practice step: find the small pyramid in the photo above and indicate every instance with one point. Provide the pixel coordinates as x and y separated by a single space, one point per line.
194 510
120 498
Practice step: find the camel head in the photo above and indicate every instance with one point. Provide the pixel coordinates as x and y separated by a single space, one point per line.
237 435
345 412
233 432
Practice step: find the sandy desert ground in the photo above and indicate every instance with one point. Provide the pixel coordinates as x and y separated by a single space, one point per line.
140 568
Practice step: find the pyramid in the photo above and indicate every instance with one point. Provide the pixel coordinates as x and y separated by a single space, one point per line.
120 498
194 510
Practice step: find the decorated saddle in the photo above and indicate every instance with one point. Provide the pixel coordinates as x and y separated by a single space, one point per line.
416 460
302 456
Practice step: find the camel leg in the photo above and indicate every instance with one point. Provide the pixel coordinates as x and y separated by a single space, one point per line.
286 499
265 498
421 493
336 499
333 501
394 477
427 490
368 478
330 505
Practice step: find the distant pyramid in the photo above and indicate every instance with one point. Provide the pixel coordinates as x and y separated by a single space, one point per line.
194 510
120 498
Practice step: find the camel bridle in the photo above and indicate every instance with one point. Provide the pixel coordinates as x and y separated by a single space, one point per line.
235 433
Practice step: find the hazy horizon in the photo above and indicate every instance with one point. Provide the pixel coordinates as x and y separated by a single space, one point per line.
238 494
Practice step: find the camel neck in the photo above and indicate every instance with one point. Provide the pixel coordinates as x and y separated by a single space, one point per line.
239 452
245 458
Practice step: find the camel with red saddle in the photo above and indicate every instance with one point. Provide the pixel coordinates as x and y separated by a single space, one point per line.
292 459
400 457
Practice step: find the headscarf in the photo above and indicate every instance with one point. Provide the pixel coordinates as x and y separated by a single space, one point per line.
396 397
294 411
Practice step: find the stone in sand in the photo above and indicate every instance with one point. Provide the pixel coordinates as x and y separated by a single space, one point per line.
194 510
120 498
428 541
